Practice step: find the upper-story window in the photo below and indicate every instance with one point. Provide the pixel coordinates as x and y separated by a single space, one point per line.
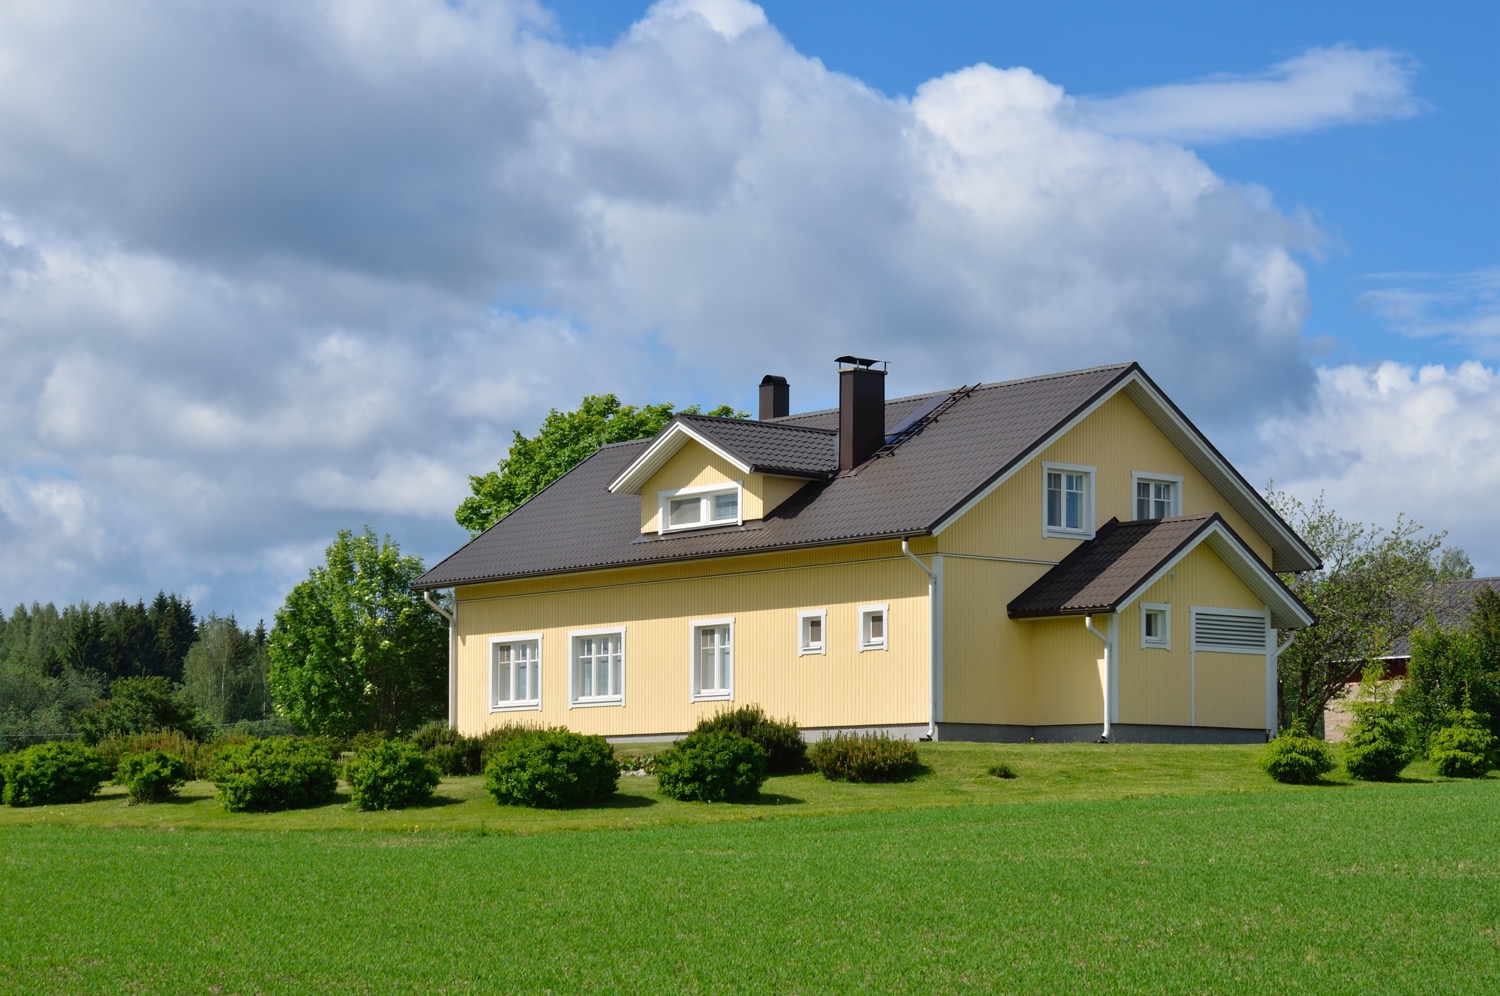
1157 496
1067 500
694 508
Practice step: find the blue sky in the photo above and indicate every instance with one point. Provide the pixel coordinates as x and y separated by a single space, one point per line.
271 270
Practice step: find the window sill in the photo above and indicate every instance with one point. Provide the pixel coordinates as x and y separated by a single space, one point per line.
616 700
810 652
871 646
714 696
1057 532
533 706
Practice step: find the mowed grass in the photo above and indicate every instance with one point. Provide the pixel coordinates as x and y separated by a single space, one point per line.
1200 883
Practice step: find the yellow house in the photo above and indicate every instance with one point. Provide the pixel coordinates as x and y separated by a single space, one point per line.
1062 557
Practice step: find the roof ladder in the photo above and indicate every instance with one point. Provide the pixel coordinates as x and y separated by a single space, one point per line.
922 417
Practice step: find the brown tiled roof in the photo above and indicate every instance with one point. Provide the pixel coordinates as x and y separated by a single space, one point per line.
772 447
1454 602
1102 572
577 524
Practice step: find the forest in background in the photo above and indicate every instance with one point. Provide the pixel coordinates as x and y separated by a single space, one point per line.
56 664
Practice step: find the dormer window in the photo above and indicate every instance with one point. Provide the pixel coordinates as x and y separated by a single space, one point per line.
697 507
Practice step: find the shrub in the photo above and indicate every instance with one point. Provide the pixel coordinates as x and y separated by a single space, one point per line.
491 741
554 769
713 766
864 757
1297 758
390 775
50 773
786 751
451 751
152 776
140 705
1463 749
198 756
1378 745
280 773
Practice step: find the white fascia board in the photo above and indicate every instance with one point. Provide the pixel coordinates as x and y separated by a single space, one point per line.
665 446
1285 611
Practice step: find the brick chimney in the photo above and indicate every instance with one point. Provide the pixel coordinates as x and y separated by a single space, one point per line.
861 410
775 397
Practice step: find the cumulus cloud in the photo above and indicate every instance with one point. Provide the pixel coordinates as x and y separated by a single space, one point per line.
269 270
1320 88
1391 438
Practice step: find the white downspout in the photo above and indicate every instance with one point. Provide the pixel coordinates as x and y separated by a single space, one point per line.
1273 668
935 638
452 653
1110 680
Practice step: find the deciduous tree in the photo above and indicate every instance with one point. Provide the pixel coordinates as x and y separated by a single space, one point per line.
563 441
354 648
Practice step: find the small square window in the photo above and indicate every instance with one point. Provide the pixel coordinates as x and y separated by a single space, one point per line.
1157 496
1156 626
872 629
810 629
714 505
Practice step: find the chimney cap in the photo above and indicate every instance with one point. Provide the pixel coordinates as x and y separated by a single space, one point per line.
770 379
860 361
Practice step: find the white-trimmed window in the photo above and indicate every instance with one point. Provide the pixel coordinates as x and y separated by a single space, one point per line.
872 627
596 672
1067 500
700 506
1230 631
516 672
713 659
1156 626
812 631
1157 496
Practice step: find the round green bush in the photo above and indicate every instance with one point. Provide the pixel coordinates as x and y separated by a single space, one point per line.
786 751
47 774
715 766
1297 758
152 775
280 773
551 769
1378 745
865 757
1464 749
391 775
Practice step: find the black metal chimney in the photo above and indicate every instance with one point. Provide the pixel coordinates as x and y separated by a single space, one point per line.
861 410
775 397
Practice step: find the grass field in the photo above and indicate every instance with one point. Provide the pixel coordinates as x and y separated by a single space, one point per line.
1100 868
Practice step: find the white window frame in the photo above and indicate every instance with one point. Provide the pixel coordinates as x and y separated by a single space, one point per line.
705 493
1086 530
866 642
575 700
1164 641
804 645
1137 478
695 687
1264 647
512 704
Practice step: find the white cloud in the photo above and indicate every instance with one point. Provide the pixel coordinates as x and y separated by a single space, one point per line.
1388 439
271 270
1463 307
1320 88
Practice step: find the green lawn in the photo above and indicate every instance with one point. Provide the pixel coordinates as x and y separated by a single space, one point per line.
1109 868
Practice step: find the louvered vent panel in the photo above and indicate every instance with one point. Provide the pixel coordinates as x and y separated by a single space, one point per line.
1229 633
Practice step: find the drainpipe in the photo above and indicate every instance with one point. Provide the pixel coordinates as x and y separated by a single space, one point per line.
935 637
452 653
1110 679
1273 668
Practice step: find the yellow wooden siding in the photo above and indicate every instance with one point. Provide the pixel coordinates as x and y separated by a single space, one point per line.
1116 440
1231 690
1068 668
694 465
772 491
987 673
1156 685
843 686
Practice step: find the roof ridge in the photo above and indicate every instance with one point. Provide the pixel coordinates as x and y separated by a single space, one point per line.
774 424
